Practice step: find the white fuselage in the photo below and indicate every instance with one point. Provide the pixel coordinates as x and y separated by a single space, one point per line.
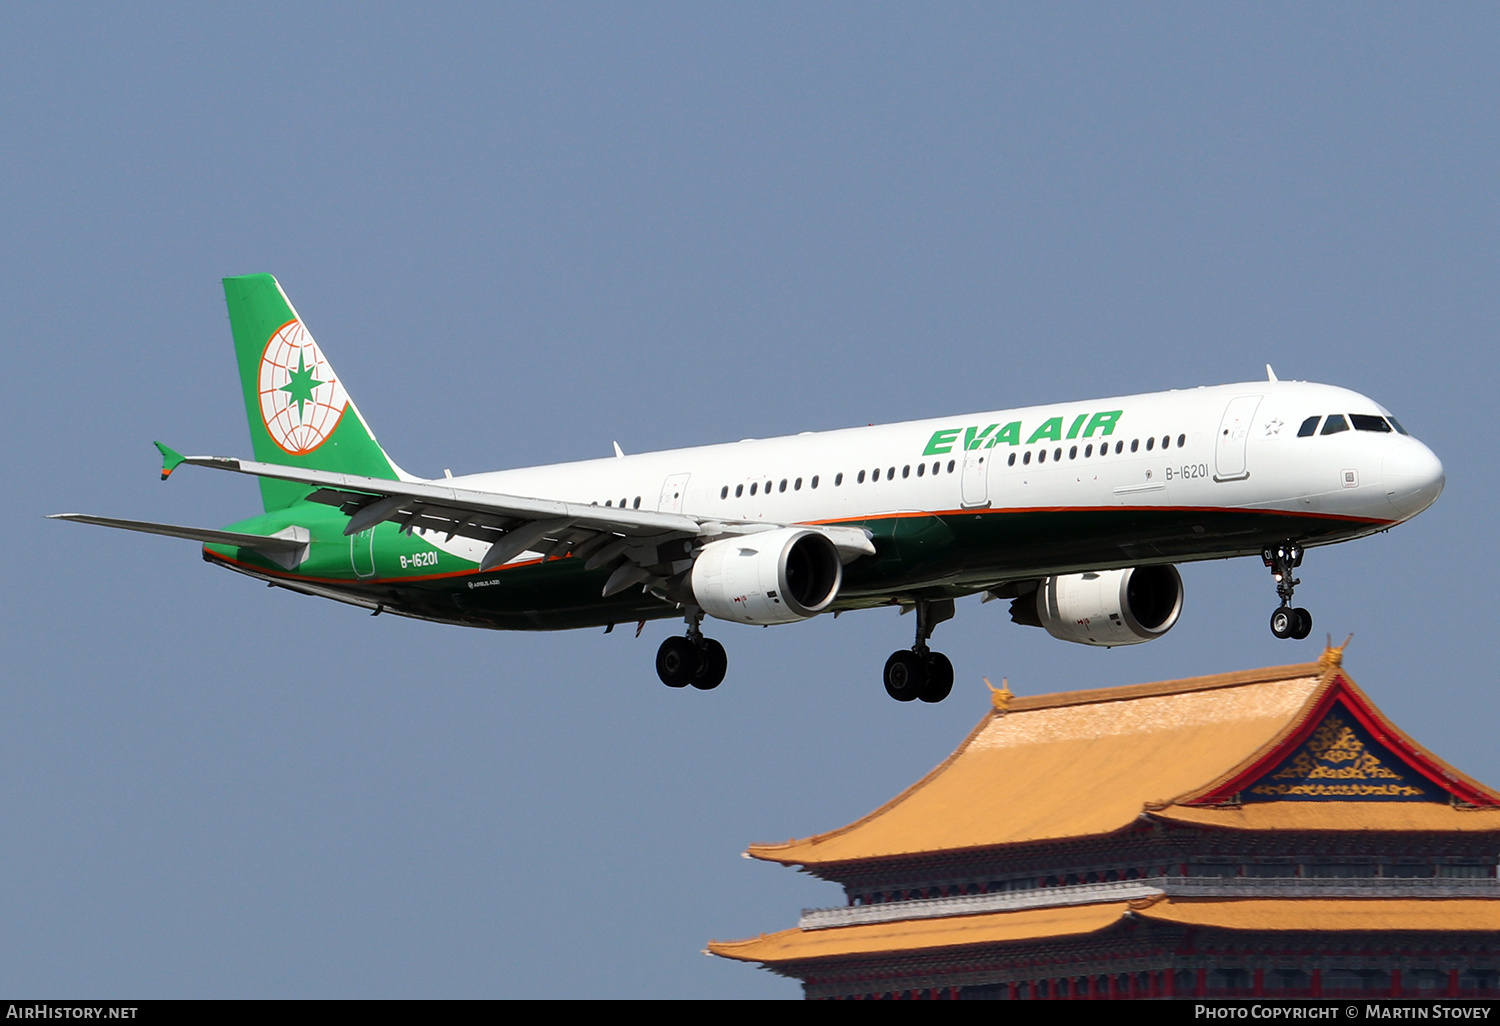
1227 447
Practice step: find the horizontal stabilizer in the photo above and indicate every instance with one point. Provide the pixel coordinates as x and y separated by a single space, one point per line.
260 542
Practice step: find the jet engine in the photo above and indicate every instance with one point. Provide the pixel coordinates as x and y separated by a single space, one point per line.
1109 608
778 576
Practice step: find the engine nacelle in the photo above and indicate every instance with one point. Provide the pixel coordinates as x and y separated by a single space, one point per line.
1112 607
778 576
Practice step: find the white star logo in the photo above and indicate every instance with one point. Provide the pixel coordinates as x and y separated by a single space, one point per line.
1273 427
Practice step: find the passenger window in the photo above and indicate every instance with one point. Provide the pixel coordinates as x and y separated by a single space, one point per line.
1120 447
1166 441
1041 457
1012 461
1150 444
1335 424
1309 427
1057 454
1073 453
861 477
950 466
921 469
724 492
753 487
1365 422
1135 444
936 467
890 475
1181 441
838 479
1026 458
815 481
739 490
1088 451
783 485
906 471
610 503
637 503
797 485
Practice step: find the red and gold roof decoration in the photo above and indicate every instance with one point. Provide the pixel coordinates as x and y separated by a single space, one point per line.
1342 747
1264 745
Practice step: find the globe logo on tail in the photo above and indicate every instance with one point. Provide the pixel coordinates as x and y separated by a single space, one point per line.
301 401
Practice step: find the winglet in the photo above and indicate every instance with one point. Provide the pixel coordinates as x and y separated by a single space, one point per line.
170 459
1270 374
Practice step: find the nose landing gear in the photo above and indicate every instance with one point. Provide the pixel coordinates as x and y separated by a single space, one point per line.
919 672
1287 622
696 660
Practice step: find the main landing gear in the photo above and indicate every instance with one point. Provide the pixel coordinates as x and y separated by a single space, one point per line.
919 672
1287 622
696 660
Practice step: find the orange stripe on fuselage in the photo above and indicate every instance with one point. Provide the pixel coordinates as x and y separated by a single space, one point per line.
903 515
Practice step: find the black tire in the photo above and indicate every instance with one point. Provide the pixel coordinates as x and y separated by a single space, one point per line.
905 673
1284 622
939 683
712 666
1304 624
677 662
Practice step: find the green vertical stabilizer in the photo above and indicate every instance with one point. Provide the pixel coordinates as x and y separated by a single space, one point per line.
300 414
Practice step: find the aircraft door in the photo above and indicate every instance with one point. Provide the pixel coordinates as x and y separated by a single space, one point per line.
976 490
1234 433
672 492
362 553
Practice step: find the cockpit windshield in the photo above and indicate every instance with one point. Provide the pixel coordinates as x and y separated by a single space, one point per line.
1337 422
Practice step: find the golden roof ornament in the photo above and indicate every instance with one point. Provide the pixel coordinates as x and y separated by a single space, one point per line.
1332 658
999 697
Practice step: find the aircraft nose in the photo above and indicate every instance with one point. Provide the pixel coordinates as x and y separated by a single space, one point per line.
1413 478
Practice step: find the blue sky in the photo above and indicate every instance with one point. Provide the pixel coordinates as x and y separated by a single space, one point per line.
522 232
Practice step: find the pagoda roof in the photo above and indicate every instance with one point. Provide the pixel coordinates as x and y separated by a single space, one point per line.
1287 748
1447 915
908 935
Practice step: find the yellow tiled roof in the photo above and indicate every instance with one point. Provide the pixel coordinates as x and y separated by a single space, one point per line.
1072 765
1086 763
908 936
922 934
1468 915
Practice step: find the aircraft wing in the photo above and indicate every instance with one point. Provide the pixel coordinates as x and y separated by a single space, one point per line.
640 544
288 547
262 542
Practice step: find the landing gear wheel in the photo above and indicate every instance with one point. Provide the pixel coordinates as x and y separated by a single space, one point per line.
713 664
905 674
677 662
939 680
1287 622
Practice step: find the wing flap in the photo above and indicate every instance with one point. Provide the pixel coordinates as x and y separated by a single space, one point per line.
512 524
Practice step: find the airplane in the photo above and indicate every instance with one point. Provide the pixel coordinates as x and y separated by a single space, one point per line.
1076 512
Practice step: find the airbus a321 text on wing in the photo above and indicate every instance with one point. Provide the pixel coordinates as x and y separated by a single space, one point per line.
1074 512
